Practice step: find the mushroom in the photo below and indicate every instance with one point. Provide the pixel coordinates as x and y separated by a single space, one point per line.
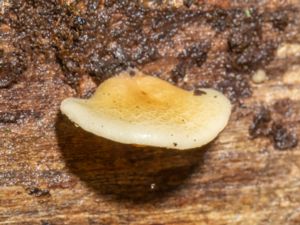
259 77
145 110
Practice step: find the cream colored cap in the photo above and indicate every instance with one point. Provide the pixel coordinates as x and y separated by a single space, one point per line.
145 110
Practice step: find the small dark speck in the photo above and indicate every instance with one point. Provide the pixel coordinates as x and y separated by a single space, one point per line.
198 92
188 3
215 96
37 192
172 134
80 21
44 222
195 140
132 73
175 144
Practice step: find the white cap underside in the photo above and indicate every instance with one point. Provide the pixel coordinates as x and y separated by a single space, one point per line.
203 127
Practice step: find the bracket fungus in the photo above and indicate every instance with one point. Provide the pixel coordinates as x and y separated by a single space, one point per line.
145 110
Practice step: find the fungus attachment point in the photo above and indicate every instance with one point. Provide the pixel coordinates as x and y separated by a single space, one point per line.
144 110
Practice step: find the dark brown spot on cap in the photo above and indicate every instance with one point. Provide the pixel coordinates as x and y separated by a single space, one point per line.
198 92
132 73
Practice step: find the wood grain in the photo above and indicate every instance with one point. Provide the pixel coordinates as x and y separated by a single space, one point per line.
52 172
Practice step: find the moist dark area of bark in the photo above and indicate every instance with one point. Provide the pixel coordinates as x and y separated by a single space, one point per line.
18 116
12 65
280 19
246 48
103 41
264 125
260 123
283 138
195 55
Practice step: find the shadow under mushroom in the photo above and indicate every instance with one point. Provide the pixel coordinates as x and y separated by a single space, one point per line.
124 172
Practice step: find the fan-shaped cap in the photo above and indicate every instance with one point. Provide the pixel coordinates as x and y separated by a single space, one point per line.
145 110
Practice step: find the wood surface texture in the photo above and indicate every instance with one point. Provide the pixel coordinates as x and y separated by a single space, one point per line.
52 172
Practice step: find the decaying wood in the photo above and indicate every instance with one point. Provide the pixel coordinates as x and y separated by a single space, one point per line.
52 172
